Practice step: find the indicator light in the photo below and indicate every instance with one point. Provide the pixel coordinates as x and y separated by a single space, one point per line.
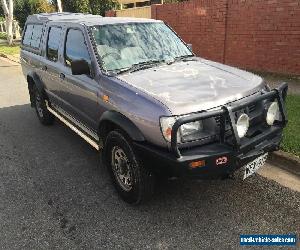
197 164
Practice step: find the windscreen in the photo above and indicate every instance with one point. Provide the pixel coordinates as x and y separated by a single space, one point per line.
122 45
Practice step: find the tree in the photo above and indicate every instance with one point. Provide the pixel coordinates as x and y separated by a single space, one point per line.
8 9
59 6
40 6
23 8
98 7
76 6
1 13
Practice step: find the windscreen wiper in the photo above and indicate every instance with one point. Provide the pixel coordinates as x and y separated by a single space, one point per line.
184 58
139 66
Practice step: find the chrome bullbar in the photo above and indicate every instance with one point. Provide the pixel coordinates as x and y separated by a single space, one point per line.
226 113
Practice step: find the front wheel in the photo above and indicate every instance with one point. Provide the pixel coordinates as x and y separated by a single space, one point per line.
132 180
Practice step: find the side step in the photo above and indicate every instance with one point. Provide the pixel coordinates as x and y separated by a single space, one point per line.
92 142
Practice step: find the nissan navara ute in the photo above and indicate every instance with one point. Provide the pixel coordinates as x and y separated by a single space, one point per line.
134 89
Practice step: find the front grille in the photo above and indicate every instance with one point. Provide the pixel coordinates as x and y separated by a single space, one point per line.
255 111
218 120
252 108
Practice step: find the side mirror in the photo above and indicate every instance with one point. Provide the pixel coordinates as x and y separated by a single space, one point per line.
80 67
190 46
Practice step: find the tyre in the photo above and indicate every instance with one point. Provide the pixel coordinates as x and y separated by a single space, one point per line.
133 182
45 117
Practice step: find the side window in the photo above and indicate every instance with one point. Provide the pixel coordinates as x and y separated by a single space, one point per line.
53 43
32 36
75 47
36 36
27 35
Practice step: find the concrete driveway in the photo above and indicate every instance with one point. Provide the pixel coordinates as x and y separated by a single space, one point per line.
55 195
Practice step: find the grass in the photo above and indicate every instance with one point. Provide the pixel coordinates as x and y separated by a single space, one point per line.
9 50
291 136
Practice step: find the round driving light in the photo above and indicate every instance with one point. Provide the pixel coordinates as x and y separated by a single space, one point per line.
272 113
242 125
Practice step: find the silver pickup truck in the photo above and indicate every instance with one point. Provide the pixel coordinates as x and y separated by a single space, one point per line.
134 90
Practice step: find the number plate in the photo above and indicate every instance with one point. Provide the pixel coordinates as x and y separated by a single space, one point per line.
254 165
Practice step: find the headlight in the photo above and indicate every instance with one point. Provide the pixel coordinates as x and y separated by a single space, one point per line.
242 125
273 113
189 130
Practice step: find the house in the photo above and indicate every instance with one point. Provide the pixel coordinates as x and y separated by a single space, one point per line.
136 8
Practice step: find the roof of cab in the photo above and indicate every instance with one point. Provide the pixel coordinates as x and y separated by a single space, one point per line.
86 19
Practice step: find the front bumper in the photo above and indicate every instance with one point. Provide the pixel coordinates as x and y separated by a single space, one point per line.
220 158
164 162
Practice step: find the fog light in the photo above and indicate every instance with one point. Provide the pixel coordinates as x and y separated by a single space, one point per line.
242 125
272 114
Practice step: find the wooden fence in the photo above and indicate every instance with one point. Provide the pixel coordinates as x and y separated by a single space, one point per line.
142 12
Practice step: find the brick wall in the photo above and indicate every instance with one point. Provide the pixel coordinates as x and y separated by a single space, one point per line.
253 34
201 23
264 35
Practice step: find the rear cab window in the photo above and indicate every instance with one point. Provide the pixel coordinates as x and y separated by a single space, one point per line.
32 36
53 42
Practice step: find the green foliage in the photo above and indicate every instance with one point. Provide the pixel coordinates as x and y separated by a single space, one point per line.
3 35
78 6
291 136
40 6
23 8
95 7
98 7
21 11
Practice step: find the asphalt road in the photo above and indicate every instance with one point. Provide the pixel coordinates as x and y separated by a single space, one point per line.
55 194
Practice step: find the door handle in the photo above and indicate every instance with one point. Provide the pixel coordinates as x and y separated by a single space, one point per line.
44 68
62 76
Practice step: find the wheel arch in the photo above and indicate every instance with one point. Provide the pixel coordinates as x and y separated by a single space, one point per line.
111 120
34 80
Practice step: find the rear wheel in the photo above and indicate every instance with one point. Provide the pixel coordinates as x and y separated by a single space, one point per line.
42 112
132 180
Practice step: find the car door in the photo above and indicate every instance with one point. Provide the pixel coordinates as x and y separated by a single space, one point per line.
79 92
51 64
